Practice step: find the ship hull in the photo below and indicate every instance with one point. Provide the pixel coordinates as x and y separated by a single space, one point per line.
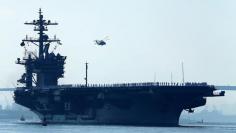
141 114
152 105
114 120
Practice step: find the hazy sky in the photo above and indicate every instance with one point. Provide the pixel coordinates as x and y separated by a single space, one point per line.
147 38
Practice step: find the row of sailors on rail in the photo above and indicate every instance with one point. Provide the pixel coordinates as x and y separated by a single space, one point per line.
145 84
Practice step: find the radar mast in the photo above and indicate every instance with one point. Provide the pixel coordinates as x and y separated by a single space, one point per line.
47 66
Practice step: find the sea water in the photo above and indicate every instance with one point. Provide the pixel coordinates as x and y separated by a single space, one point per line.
15 126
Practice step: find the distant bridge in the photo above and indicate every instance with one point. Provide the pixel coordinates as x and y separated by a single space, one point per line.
7 89
226 88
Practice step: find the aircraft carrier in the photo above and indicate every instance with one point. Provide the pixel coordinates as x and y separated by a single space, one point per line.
145 104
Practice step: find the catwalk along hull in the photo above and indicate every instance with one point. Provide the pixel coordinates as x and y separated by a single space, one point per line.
126 104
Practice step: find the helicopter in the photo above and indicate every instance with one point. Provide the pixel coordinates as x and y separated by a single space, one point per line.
101 42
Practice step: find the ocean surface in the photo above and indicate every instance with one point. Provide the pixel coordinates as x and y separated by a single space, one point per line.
15 126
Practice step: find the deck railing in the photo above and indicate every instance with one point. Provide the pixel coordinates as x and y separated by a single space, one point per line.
138 84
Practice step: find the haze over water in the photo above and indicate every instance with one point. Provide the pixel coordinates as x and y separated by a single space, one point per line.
147 38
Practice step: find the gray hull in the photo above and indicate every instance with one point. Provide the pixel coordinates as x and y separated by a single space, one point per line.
141 114
152 104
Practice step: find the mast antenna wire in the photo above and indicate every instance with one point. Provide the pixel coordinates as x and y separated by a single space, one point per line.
182 64
86 74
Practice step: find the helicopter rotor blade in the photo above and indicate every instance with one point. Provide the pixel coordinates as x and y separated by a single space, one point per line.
106 38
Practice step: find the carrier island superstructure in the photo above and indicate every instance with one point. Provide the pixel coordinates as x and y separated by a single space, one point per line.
153 103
